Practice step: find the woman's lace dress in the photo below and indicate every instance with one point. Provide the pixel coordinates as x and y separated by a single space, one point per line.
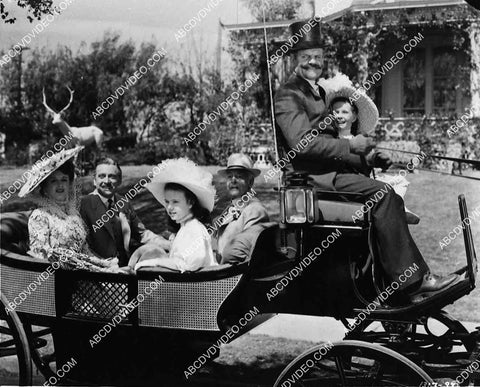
58 234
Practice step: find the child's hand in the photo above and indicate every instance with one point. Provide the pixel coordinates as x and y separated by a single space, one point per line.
126 270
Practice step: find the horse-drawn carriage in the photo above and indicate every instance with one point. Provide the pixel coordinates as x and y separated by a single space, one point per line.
121 329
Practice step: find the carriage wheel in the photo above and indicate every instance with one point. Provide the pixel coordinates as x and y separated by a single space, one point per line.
352 363
13 342
38 341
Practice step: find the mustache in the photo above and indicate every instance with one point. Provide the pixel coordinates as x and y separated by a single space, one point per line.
306 67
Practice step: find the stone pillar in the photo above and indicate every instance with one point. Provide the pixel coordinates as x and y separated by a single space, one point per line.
475 71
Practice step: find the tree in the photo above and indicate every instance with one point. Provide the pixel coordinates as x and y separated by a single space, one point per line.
274 9
35 9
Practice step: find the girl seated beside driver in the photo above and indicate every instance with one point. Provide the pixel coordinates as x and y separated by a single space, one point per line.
187 193
346 120
355 113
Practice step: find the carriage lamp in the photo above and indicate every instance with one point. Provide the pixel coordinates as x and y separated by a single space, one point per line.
297 201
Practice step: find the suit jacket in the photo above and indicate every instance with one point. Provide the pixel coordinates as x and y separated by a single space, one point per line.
299 109
102 240
239 231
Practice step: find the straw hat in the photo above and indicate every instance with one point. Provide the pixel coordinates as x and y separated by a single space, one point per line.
184 172
239 161
341 86
41 170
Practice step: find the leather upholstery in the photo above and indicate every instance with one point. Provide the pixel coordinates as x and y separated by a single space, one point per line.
339 212
14 231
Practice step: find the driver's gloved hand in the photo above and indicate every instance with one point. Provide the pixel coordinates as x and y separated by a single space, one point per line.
379 160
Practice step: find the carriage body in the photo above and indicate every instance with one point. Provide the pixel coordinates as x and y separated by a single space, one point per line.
190 312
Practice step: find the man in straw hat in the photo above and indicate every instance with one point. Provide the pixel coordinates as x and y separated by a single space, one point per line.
301 113
238 227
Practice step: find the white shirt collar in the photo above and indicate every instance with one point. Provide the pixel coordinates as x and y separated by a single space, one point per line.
314 84
102 198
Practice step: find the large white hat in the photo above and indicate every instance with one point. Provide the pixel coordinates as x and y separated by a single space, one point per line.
341 86
184 172
41 170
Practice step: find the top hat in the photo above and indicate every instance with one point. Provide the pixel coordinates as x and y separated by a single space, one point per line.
341 86
41 170
308 36
186 173
239 161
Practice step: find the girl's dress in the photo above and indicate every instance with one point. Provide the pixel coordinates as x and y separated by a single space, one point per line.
59 235
191 249
397 182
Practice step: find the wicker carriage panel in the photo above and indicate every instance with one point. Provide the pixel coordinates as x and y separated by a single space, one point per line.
40 297
97 299
184 305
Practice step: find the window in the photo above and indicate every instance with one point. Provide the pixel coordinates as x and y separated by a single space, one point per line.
444 80
414 83
430 79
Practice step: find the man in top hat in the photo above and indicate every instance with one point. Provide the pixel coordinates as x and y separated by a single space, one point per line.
238 227
301 112
118 235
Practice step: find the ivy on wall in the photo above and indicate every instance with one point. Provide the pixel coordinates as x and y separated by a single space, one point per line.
354 42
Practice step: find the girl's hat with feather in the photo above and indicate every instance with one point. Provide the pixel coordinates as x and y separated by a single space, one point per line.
184 172
341 86
44 168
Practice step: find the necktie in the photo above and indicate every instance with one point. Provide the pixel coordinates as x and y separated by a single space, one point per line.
117 231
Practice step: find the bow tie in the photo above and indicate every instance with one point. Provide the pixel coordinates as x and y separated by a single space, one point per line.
234 212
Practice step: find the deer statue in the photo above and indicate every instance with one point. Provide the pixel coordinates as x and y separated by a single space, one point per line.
85 135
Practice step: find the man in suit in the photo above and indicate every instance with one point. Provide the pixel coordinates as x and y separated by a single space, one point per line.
300 109
241 223
118 235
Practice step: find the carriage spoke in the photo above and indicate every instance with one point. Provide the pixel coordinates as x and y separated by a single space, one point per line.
7 343
341 372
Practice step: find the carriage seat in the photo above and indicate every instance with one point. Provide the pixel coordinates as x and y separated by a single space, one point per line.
337 212
14 231
347 213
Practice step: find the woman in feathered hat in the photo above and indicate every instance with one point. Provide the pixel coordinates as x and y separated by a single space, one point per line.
56 230
187 193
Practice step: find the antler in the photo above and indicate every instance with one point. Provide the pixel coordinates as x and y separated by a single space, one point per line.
45 103
69 102
50 109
